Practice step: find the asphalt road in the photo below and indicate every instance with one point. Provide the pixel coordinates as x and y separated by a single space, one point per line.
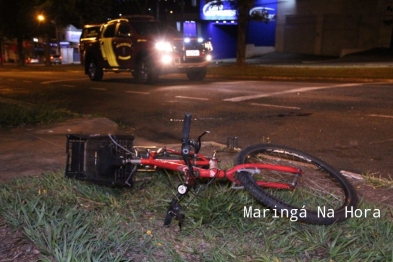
349 125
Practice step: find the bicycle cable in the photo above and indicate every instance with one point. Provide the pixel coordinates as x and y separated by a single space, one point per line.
116 143
195 194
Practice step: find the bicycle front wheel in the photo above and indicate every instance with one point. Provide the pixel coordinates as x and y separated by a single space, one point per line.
321 195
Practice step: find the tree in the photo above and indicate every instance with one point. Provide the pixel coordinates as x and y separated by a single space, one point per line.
75 12
16 22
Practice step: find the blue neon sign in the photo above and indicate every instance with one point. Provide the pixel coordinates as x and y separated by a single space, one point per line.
228 9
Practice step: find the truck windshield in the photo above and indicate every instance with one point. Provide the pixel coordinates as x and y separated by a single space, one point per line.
155 28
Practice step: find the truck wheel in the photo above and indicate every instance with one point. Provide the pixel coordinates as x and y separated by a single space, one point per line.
146 73
94 71
197 74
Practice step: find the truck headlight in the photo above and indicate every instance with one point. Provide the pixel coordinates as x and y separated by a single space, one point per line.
166 59
164 46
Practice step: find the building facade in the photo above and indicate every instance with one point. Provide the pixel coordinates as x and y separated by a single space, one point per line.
333 27
68 42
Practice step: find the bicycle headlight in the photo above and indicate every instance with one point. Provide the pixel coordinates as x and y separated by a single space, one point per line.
164 46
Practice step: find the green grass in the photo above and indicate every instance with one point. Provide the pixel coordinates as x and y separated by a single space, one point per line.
378 181
12 115
71 220
43 107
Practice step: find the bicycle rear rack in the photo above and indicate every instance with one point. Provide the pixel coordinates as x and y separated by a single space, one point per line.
98 159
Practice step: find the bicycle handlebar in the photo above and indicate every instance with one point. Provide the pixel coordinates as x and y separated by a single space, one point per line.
186 133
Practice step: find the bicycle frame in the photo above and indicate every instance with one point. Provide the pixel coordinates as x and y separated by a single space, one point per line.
200 162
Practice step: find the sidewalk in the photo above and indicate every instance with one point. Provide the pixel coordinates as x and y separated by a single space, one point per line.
40 149
374 57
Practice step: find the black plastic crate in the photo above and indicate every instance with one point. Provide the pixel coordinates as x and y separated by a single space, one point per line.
98 159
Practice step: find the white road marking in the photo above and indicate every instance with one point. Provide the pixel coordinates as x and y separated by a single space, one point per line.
63 80
98 88
136 92
193 98
380 142
297 90
384 116
277 106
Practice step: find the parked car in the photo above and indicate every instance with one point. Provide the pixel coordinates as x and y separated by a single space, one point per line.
56 59
32 60
89 34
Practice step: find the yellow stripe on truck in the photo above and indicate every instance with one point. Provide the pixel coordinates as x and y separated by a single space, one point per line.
108 53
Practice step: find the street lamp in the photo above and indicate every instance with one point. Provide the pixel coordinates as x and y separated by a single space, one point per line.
41 18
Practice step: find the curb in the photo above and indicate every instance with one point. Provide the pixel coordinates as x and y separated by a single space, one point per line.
301 78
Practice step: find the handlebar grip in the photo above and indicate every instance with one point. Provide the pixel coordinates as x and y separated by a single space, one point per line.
186 134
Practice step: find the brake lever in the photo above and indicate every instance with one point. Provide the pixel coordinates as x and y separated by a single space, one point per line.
197 145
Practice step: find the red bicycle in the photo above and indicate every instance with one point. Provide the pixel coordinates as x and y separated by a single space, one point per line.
292 183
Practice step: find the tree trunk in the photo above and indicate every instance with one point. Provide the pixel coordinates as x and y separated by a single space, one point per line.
47 50
21 55
242 26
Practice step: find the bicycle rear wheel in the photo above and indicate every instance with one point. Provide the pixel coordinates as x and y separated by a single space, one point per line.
322 195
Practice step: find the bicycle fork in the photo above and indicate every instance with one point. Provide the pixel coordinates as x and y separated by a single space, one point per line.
174 209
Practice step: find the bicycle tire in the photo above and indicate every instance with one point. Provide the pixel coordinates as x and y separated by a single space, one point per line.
322 195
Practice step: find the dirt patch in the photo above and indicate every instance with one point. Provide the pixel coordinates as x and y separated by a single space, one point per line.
15 246
378 195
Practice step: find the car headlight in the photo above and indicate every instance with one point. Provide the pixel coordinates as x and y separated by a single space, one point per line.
164 46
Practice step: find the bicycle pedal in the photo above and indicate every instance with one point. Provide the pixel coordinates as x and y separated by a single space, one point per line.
168 218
